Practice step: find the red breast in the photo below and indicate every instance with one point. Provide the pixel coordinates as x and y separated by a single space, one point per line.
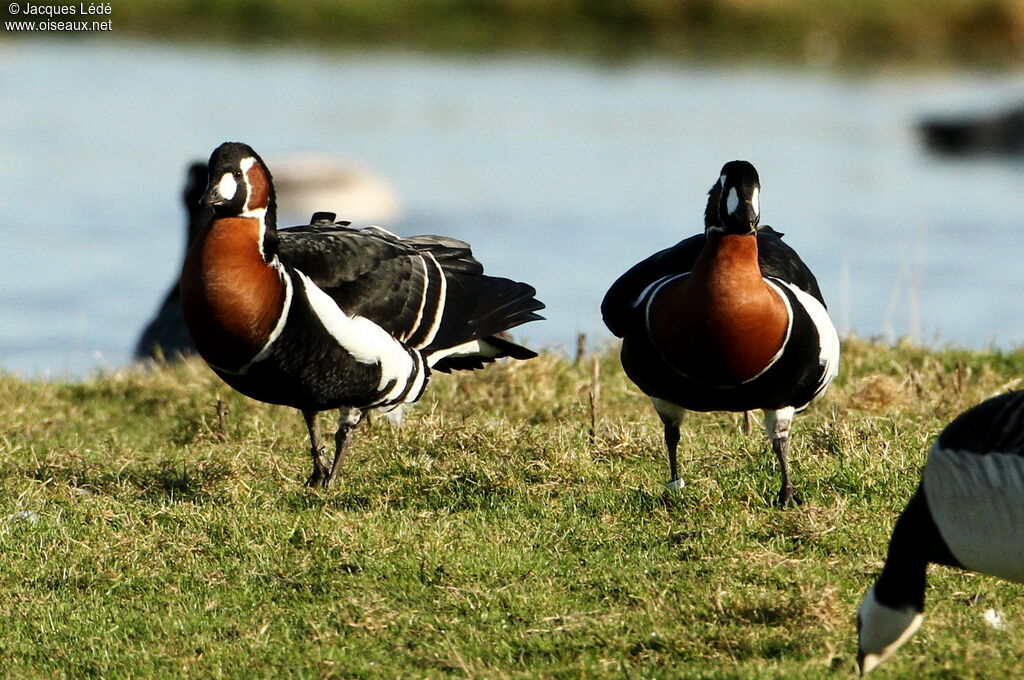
231 298
722 324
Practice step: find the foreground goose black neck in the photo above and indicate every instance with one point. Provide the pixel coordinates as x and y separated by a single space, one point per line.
325 316
728 320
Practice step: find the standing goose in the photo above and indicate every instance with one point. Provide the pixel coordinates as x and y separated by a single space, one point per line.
325 316
968 512
727 320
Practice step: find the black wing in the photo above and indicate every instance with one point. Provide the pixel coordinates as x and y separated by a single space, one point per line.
775 258
781 262
367 272
427 291
619 302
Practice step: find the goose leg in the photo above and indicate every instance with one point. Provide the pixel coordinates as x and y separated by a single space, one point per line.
671 417
671 442
321 465
348 418
776 425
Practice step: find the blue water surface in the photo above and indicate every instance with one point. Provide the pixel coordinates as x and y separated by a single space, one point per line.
560 172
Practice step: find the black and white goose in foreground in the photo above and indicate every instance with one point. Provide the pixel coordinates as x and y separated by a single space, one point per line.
968 512
325 316
728 320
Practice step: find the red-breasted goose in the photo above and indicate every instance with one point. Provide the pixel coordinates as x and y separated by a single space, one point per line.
727 320
326 316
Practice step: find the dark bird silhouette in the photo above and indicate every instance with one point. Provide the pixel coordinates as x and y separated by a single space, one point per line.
998 134
165 336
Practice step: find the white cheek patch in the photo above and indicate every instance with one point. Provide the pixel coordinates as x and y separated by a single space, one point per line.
227 186
755 200
883 630
732 201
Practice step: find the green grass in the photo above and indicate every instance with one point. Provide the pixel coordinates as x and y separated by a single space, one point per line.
493 536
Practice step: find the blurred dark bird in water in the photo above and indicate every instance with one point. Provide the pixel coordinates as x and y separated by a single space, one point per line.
999 133
165 336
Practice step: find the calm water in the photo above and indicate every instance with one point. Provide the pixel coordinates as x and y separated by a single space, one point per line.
560 173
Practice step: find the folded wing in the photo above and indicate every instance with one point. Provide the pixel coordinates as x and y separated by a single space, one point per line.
428 292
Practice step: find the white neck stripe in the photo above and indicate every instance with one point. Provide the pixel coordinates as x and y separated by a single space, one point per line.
281 320
789 329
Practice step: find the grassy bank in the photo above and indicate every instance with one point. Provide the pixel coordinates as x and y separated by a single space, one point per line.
496 535
925 31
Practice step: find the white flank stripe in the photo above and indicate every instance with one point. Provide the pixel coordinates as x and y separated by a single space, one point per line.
487 349
367 342
401 381
828 337
442 295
